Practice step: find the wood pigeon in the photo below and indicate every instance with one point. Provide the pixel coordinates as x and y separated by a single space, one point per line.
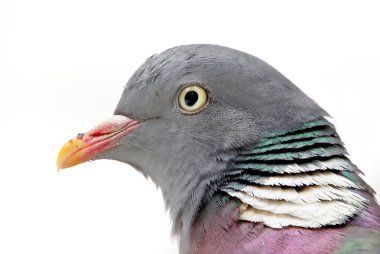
247 163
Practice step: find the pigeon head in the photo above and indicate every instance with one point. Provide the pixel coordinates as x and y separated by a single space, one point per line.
183 116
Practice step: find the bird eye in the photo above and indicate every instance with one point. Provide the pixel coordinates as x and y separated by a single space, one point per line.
192 99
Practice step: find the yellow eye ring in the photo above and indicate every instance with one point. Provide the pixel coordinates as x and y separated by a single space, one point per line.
192 99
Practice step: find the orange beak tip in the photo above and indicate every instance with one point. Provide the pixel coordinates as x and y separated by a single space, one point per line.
85 146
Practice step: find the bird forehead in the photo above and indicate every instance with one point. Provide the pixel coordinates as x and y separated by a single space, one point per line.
174 63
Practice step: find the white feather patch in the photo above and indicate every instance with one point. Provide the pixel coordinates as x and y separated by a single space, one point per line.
313 206
310 194
323 213
275 220
331 164
304 179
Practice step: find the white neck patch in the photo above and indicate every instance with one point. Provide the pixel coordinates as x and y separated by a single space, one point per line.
299 178
325 199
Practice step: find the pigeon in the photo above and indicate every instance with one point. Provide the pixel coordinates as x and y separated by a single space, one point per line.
247 162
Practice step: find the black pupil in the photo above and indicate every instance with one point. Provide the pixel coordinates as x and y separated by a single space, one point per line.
191 98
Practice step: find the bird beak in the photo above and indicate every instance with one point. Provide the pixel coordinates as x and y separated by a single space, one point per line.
87 145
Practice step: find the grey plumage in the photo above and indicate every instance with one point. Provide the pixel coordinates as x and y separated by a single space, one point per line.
249 100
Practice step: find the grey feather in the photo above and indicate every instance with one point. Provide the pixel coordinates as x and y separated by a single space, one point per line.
249 101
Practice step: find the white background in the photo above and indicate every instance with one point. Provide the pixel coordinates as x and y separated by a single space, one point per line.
63 65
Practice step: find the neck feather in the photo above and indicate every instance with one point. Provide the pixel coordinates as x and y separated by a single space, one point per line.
301 178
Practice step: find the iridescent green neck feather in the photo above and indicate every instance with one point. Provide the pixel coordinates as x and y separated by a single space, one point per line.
301 178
